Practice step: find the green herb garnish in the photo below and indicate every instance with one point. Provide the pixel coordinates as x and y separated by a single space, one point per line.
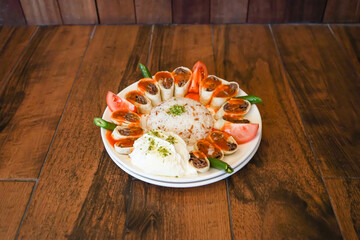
155 133
171 139
163 151
152 144
176 110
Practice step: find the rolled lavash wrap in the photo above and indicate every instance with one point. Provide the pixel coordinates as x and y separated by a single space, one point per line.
166 84
207 88
209 149
234 108
182 76
199 161
125 117
125 137
220 123
141 102
222 93
151 90
224 141
124 132
125 145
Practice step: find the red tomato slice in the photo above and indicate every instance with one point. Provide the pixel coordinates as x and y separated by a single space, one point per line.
199 73
193 96
243 132
115 102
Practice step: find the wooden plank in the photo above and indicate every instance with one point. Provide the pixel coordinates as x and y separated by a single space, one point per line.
33 98
342 11
78 12
349 38
12 43
169 213
81 193
320 75
280 192
148 217
116 11
191 11
11 13
345 198
228 11
14 199
158 11
41 12
281 11
175 46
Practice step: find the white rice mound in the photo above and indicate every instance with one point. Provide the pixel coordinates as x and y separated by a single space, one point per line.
192 125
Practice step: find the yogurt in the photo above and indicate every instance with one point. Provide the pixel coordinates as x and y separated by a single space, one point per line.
162 153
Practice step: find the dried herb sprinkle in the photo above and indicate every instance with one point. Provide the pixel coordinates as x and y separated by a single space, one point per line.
176 110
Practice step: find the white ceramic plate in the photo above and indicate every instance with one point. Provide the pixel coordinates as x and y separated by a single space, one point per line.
235 160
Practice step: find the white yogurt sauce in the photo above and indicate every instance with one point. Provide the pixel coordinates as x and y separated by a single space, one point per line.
162 153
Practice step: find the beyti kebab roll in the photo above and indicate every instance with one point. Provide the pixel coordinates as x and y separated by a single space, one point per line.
207 88
209 149
125 145
125 118
182 76
151 90
141 102
220 123
224 141
222 93
166 84
233 108
131 131
199 161
125 137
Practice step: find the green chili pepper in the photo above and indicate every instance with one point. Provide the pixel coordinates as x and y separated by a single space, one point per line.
104 124
145 71
218 164
251 98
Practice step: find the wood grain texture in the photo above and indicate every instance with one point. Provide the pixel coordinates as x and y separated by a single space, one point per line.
326 89
342 11
282 11
228 11
179 209
175 46
279 194
349 38
11 13
191 11
41 12
345 198
14 199
78 12
155 11
13 40
81 193
116 11
171 213
33 98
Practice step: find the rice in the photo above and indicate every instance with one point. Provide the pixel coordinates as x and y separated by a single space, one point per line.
188 118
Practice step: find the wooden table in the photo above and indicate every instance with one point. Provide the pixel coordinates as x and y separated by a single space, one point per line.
57 180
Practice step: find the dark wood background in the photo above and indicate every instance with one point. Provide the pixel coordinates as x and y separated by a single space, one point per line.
47 12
